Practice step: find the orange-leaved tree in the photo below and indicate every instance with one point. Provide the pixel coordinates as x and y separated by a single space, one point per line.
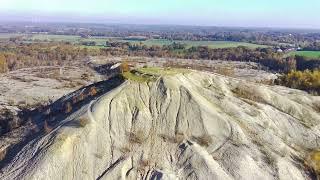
124 67
3 64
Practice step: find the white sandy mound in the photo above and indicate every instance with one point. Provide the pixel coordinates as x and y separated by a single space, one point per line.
184 126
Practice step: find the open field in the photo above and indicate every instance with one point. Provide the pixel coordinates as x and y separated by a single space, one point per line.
310 54
101 41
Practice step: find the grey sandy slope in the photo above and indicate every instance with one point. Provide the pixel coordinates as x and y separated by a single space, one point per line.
184 126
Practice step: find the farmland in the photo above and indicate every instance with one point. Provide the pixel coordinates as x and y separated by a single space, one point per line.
100 41
210 44
308 54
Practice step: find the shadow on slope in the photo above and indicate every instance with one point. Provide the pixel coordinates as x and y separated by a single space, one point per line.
43 119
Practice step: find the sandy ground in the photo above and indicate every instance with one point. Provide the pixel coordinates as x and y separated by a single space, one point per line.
191 125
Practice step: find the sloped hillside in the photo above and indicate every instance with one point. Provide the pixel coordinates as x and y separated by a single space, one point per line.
171 124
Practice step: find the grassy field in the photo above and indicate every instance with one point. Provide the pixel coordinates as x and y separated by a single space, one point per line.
310 54
101 41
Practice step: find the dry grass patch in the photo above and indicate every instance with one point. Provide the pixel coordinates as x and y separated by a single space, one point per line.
47 129
178 138
136 137
225 71
204 140
143 165
3 153
125 149
93 91
68 107
316 106
247 93
84 121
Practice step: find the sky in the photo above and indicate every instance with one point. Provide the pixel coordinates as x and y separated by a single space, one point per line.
243 13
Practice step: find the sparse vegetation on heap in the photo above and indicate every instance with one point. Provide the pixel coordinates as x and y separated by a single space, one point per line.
148 74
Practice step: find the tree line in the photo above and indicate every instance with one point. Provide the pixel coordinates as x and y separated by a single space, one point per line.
15 56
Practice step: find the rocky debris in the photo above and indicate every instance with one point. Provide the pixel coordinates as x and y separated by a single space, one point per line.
185 126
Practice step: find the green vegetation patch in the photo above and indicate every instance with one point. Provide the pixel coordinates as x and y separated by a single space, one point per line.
151 73
309 54
162 71
138 77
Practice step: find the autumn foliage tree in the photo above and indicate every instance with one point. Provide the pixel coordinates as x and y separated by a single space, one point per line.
124 67
304 80
3 64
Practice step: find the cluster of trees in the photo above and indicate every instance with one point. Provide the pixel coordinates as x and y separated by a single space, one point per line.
17 56
266 56
14 56
305 80
314 46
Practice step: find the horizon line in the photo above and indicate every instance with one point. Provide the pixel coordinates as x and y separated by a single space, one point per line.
159 24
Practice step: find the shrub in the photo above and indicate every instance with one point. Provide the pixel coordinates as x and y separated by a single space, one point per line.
93 91
47 129
68 107
74 99
3 153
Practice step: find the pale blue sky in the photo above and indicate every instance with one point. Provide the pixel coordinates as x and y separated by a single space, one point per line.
263 13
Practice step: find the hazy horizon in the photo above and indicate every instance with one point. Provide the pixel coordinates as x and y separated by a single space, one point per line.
233 13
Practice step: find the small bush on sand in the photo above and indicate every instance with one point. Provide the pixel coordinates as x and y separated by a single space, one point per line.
137 137
84 121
